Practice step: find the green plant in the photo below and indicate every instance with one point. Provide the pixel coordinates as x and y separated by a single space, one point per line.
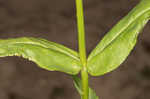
107 56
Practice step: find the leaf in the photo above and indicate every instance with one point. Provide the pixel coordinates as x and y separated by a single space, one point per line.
119 41
48 55
78 86
92 94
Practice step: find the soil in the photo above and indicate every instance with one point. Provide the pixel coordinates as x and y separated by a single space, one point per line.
55 20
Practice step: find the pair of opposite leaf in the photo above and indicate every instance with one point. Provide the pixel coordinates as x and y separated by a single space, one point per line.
108 54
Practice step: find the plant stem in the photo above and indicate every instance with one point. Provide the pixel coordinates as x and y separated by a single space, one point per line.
85 86
81 31
82 48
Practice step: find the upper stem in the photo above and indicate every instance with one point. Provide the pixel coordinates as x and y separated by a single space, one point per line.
82 48
81 31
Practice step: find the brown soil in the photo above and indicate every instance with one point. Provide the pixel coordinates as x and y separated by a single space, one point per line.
55 20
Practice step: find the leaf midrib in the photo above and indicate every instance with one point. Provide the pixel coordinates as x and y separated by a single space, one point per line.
115 37
58 49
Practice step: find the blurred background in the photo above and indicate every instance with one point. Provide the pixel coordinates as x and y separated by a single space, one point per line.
55 20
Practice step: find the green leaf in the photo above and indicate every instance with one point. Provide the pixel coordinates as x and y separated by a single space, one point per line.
92 94
78 86
119 41
48 55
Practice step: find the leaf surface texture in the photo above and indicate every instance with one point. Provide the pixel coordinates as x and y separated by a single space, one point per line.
119 41
48 55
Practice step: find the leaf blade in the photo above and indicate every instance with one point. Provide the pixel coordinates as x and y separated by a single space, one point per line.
48 55
117 44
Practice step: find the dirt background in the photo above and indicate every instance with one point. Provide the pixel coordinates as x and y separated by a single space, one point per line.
54 20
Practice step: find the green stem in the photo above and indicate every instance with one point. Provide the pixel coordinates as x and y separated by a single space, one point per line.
82 48
85 86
